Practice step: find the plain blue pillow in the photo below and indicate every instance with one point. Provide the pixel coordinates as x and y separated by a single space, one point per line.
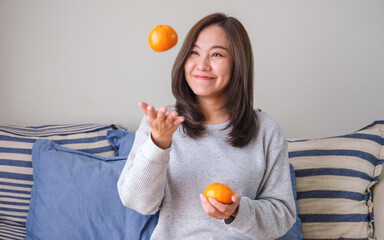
75 196
121 141
295 231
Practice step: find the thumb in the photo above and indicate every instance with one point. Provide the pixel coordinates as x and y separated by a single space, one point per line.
236 198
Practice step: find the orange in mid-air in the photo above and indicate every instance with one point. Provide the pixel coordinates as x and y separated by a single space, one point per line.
162 38
220 192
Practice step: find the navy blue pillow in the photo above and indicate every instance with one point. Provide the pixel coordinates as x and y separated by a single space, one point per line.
75 196
295 231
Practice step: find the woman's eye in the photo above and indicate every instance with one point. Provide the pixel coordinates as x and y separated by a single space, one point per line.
193 53
217 55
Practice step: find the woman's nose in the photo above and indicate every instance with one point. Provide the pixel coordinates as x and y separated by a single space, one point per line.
203 64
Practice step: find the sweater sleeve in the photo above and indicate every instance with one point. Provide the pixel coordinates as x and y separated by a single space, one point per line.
273 212
142 181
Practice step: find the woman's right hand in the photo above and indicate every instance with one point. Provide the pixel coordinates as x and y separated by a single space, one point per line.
163 125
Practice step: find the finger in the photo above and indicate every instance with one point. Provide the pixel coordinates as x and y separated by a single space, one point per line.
211 210
151 112
203 198
171 118
161 113
180 119
218 205
208 208
177 119
143 106
206 205
226 210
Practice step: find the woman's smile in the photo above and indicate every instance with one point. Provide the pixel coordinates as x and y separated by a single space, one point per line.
203 77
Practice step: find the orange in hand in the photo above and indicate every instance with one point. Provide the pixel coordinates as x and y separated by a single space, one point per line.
162 38
220 192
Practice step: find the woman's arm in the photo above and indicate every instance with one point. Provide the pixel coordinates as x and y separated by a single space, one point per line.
273 212
142 181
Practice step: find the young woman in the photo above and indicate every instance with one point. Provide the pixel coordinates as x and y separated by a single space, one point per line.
212 134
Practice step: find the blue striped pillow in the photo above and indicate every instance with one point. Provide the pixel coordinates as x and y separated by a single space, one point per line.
16 178
334 178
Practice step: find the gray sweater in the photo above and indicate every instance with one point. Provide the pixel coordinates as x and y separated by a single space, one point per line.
172 179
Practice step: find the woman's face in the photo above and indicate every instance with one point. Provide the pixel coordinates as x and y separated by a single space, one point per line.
208 68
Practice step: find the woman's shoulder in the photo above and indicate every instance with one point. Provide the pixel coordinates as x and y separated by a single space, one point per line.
270 131
267 123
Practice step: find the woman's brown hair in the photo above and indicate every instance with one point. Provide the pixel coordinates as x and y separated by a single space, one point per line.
239 98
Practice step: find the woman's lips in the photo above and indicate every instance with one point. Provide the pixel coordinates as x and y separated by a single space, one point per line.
202 77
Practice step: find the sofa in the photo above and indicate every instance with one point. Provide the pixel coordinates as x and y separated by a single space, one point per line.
59 182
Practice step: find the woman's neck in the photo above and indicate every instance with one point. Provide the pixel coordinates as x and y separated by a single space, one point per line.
213 112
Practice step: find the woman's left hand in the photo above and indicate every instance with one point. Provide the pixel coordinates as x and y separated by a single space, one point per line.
219 210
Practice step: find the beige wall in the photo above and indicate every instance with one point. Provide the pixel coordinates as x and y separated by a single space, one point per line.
319 65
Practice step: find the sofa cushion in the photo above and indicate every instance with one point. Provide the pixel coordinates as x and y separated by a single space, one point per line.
295 231
378 192
378 202
334 177
16 164
75 196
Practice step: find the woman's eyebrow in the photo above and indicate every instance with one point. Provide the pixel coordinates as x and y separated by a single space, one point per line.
213 47
221 47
